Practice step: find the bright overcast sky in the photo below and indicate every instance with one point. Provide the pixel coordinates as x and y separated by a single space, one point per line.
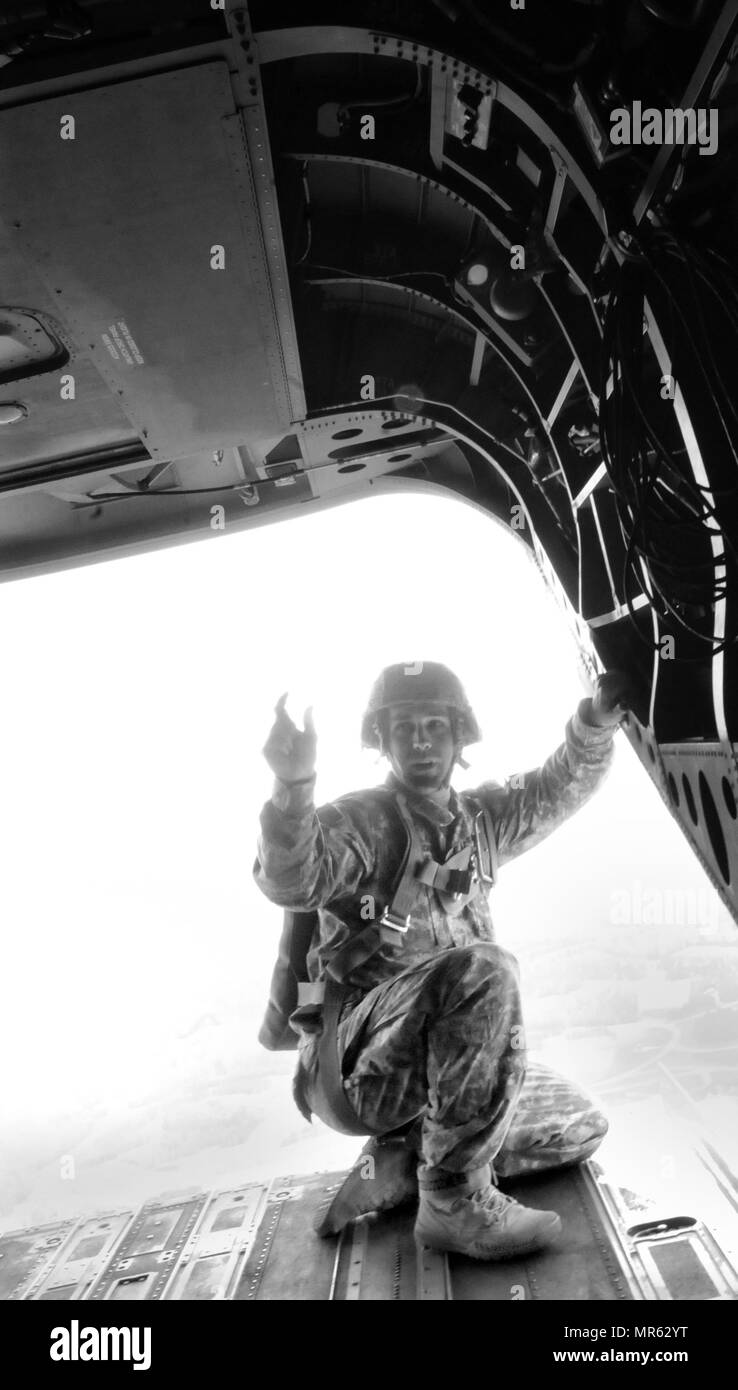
137 696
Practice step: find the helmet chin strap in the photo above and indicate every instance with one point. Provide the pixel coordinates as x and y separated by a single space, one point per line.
457 758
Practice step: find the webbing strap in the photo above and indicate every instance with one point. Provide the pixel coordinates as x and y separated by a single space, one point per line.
447 876
309 992
453 881
357 949
403 899
330 1076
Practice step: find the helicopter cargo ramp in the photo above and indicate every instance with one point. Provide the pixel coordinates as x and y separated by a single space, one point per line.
256 1243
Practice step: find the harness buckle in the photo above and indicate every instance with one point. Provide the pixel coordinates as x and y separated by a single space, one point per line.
389 919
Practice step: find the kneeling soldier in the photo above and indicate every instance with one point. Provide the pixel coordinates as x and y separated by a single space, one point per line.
420 1040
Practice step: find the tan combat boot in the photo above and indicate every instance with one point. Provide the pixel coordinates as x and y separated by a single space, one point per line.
383 1177
466 1214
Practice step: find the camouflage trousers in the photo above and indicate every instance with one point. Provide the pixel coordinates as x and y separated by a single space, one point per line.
442 1044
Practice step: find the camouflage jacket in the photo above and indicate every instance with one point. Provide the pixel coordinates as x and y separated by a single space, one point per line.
341 855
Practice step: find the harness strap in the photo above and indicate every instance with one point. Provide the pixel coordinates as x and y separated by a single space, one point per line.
446 876
360 948
309 992
454 882
330 1076
398 911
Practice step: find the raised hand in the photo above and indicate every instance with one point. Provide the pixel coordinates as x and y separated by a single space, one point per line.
612 698
289 751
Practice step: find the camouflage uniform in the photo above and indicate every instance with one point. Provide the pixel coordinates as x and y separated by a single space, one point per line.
431 1025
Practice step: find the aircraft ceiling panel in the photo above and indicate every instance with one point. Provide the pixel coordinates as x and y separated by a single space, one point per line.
53 425
124 222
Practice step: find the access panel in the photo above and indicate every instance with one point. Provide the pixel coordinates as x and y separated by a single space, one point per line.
134 202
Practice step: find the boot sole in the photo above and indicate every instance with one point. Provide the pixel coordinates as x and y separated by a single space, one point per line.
529 1248
354 1200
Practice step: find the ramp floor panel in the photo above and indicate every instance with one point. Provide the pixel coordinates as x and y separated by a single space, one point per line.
376 1258
256 1243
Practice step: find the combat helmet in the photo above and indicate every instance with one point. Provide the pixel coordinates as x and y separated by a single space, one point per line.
419 682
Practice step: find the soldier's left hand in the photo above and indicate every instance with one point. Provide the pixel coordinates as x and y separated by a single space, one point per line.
612 698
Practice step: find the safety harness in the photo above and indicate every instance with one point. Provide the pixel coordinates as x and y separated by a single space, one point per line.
468 873
461 878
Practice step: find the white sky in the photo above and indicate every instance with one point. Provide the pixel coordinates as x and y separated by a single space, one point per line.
137 695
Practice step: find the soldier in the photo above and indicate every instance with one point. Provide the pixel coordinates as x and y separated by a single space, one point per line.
423 1037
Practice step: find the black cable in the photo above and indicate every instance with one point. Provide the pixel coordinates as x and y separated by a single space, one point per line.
504 67
363 275
706 345
656 9
308 215
523 50
370 103
656 497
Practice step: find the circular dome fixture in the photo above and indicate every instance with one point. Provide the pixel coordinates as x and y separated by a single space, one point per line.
477 273
512 298
11 412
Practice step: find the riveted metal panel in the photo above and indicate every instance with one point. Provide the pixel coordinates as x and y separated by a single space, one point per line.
148 186
214 1256
82 1258
26 1256
146 1258
287 1260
